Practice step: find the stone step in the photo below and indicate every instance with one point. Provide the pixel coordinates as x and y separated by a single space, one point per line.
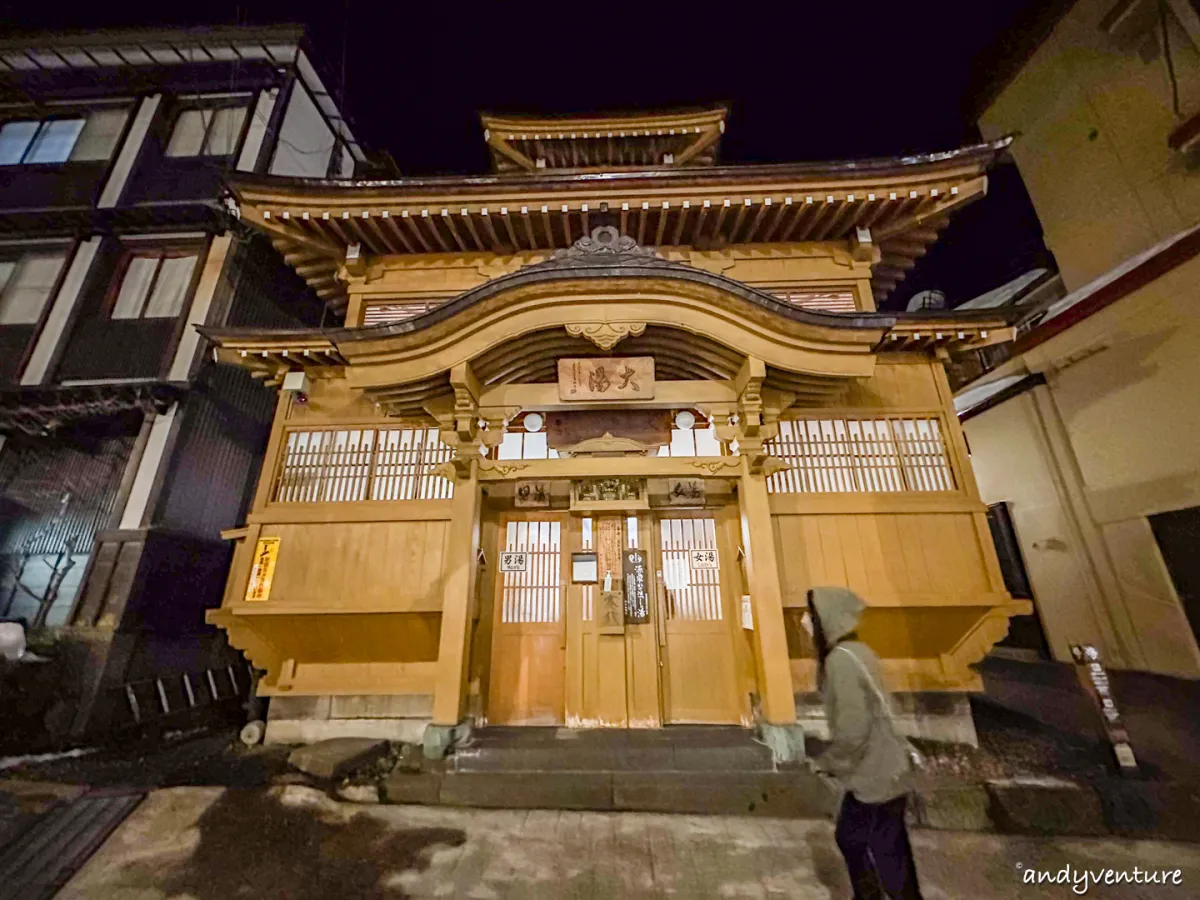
612 750
778 794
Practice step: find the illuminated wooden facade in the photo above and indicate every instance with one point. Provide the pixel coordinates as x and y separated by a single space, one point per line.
446 511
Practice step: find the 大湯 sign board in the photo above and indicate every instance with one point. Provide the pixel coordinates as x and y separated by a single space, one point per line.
609 378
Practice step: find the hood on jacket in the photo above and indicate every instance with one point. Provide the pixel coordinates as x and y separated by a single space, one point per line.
839 610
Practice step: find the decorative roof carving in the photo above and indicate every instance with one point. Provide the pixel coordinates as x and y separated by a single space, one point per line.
605 246
606 335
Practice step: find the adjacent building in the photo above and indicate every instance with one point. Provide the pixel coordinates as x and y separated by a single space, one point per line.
590 427
1088 426
124 447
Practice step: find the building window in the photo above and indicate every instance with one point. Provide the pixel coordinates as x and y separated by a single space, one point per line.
877 454
154 285
525 445
692 442
78 138
340 465
26 284
211 131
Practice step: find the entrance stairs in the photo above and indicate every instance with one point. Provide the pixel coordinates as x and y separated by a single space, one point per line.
679 769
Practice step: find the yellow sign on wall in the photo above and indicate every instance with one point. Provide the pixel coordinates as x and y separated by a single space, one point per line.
262 570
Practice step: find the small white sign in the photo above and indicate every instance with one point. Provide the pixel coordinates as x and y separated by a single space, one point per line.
514 561
747 613
703 559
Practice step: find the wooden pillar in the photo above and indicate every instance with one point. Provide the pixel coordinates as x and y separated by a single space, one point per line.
450 689
762 574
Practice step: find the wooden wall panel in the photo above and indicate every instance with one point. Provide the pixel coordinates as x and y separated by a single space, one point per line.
919 559
896 385
360 566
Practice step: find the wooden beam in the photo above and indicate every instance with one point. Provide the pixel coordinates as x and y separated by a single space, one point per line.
548 226
415 231
565 214
469 218
737 222
800 211
448 220
643 214
663 215
704 140
298 237
528 226
960 196
773 225
431 224
720 220
398 232
763 208
843 217
497 244
508 227
379 234
502 146
815 223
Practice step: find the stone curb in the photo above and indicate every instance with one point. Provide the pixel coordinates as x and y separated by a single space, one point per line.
1128 809
1050 807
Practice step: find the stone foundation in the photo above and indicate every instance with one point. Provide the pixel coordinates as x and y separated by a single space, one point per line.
928 715
306 720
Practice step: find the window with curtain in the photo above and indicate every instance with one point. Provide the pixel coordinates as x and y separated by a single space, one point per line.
209 131
85 137
154 284
26 284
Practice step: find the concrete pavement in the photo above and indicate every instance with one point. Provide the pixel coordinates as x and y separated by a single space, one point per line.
294 842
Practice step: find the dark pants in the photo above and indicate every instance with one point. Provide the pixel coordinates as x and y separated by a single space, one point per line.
874 841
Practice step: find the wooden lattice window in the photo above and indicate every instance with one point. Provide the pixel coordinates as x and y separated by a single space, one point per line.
534 594
346 465
693 594
869 454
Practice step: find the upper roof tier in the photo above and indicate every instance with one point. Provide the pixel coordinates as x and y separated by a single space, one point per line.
903 201
580 143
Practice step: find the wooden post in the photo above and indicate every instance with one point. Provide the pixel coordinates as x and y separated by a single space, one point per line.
762 574
450 689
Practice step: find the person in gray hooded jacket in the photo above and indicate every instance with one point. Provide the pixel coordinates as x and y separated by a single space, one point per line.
866 755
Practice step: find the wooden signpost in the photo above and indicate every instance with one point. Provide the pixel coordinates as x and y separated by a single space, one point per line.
1095 681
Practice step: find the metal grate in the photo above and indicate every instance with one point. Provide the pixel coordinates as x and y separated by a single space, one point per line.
692 594
337 466
534 595
56 845
846 455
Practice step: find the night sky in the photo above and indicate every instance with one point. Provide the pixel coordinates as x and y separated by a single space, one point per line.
807 82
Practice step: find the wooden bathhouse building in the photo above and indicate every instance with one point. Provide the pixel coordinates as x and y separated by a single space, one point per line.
591 427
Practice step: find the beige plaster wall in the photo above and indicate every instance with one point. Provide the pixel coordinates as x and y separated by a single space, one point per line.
1112 438
1094 118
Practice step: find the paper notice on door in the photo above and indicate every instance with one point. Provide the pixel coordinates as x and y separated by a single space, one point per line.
676 575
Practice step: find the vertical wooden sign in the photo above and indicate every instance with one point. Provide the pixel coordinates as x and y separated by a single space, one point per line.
262 570
637 599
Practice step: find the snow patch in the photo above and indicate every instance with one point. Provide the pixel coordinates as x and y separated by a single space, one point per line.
12 762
